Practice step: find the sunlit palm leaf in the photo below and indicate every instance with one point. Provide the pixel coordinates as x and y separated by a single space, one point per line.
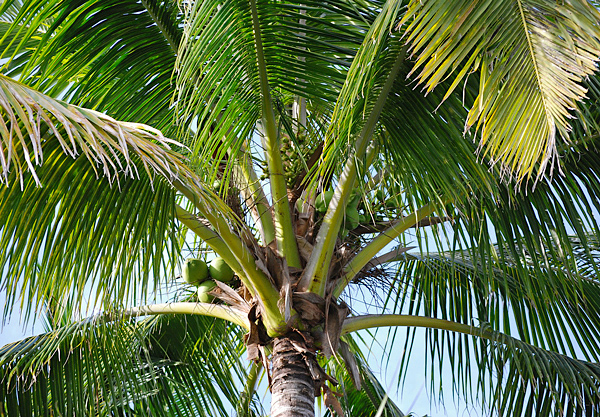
29 118
531 57
80 183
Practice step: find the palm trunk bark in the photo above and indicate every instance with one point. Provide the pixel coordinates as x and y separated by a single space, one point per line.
292 387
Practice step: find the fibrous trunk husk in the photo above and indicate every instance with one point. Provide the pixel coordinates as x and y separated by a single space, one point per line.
292 387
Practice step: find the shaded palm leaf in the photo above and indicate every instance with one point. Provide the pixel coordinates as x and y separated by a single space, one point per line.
424 143
116 57
107 368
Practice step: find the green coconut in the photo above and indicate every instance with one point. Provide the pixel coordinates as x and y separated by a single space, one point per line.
352 218
392 203
203 291
195 271
299 204
362 218
220 271
323 200
354 199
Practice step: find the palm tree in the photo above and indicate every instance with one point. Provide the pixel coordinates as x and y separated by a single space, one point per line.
298 141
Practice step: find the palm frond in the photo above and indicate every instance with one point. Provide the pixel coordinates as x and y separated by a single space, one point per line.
307 50
531 58
530 378
559 316
78 182
113 56
132 368
375 61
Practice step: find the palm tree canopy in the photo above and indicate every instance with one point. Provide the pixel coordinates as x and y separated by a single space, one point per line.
136 134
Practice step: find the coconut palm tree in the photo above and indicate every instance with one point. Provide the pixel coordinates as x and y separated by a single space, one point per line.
441 154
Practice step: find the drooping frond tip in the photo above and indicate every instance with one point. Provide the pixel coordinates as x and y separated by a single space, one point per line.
30 120
531 58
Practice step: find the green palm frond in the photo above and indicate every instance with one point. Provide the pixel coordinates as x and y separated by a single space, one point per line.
547 240
511 377
307 50
534 227
113 56
97 367
10 10
550 318
531 58
354 118
78 182
561 315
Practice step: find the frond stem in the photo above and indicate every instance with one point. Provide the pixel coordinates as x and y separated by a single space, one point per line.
363 257
369 321
258 199
315 274
284 230
203 309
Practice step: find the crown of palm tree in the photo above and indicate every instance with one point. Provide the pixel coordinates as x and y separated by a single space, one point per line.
137 134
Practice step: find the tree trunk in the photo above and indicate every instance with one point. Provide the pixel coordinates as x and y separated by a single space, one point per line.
292 388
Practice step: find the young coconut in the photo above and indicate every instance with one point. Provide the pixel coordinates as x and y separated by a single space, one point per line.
322 201
194 271
220 271
351 219
203 291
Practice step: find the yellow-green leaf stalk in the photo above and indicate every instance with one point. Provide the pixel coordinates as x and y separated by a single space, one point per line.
284 230
203 309
258 199
315 275
363 257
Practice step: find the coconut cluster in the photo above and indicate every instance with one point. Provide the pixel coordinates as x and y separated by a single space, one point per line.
352 218
357 213
197 272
